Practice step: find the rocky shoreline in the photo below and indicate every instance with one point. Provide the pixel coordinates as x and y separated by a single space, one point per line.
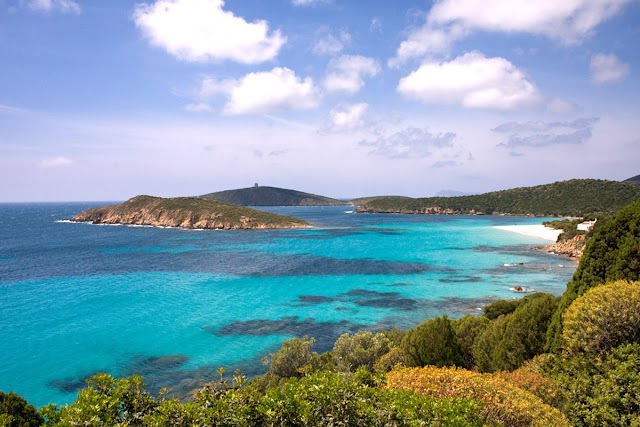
572 248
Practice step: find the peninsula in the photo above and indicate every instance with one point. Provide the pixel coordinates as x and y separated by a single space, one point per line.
271 196
186 212
575 198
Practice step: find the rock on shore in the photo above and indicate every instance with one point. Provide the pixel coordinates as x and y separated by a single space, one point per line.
572 248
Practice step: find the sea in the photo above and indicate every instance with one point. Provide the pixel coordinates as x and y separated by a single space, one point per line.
174 305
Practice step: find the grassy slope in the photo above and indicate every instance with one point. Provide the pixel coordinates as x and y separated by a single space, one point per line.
567 198
183 208
271 196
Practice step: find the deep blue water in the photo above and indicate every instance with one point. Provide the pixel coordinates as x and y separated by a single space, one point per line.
174 305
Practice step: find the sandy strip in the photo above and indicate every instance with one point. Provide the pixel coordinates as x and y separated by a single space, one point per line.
537 230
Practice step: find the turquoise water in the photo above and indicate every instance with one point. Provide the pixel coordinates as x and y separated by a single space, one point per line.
174 305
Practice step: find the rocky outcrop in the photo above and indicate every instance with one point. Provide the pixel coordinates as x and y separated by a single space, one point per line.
186 212
571 248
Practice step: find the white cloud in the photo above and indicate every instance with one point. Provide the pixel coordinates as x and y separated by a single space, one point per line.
541 134
568 22
346 73
471 80
607 69
306 3
264 92
347 117
55 162
330 44
64 6
410 143
202 31
561 106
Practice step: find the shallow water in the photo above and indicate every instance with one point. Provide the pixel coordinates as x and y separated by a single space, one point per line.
174 305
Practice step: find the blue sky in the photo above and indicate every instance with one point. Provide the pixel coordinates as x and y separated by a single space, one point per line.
103 100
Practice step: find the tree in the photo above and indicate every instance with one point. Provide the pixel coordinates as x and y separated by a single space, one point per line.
433 342
293 359
602 319
467 330
517 337
361 349
613 253
500 308
16 412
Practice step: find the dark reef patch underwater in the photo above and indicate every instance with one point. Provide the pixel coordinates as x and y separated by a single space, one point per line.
174 305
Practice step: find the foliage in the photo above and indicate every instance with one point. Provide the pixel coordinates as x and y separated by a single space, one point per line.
567 198
546 388
510 340
467 330
270 196
500 308
602 319
613 253
293 359
105 402
433 342
361 349
16 412
504 403
603 391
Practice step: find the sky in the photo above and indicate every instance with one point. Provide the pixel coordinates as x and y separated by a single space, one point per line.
104 100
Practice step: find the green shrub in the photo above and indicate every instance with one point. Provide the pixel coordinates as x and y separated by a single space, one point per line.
500 308
510 340
602 319
16 412
613 253
467 330
433 342
361 349
293 359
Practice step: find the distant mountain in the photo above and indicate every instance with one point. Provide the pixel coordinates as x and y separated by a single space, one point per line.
576 197
635 179
186 212
271 196
451 193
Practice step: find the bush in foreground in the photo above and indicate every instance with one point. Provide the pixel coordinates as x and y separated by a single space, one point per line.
503 403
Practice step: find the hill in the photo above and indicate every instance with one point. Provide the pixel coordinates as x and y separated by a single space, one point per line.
635 179
576 197
271 196
186 212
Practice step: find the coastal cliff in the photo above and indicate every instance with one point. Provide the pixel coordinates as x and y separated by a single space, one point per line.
186 212
571 248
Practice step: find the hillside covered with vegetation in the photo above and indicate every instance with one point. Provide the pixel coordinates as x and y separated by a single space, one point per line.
513 366
186 212
271 196
576 197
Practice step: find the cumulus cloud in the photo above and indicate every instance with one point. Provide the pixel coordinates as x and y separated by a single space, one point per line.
542 134
64 6
409 143
607 69
471 80
347 73
202 31
347 117
261 92
55 162
568 22
330 44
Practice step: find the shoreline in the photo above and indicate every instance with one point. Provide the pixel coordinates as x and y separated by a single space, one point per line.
534 230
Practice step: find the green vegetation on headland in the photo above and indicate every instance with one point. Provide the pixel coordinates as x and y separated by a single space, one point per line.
538 361
576 197
186 212
271 196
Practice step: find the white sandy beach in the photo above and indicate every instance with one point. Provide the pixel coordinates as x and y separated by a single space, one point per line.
537 230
